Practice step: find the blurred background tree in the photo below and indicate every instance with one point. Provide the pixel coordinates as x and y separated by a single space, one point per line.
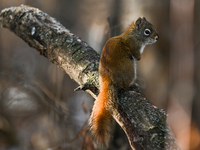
38 108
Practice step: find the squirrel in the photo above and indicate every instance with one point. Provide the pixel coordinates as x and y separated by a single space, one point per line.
117 70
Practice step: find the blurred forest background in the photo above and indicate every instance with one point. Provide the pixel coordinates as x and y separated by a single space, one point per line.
38 106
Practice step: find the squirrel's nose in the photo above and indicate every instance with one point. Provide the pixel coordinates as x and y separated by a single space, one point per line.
156 38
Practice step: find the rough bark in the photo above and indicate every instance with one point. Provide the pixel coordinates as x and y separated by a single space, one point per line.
144 124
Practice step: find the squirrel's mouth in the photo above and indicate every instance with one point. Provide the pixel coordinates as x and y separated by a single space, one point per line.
153 40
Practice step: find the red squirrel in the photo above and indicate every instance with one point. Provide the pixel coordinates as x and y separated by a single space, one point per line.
117 70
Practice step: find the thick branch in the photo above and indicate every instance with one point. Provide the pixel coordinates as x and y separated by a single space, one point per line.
55 42
144 124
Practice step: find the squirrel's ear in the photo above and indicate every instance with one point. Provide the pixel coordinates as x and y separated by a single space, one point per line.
138 22
144 18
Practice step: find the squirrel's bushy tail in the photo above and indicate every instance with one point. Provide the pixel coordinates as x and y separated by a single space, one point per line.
101 119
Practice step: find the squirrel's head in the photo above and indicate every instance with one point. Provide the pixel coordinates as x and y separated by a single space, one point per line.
145 31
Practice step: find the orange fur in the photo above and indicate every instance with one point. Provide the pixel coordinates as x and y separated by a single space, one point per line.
100 120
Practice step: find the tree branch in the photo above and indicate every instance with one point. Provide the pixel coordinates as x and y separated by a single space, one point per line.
144 124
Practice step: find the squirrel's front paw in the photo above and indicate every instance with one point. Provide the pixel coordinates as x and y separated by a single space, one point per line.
134 85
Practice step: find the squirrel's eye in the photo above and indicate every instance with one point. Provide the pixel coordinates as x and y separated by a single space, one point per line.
147 32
